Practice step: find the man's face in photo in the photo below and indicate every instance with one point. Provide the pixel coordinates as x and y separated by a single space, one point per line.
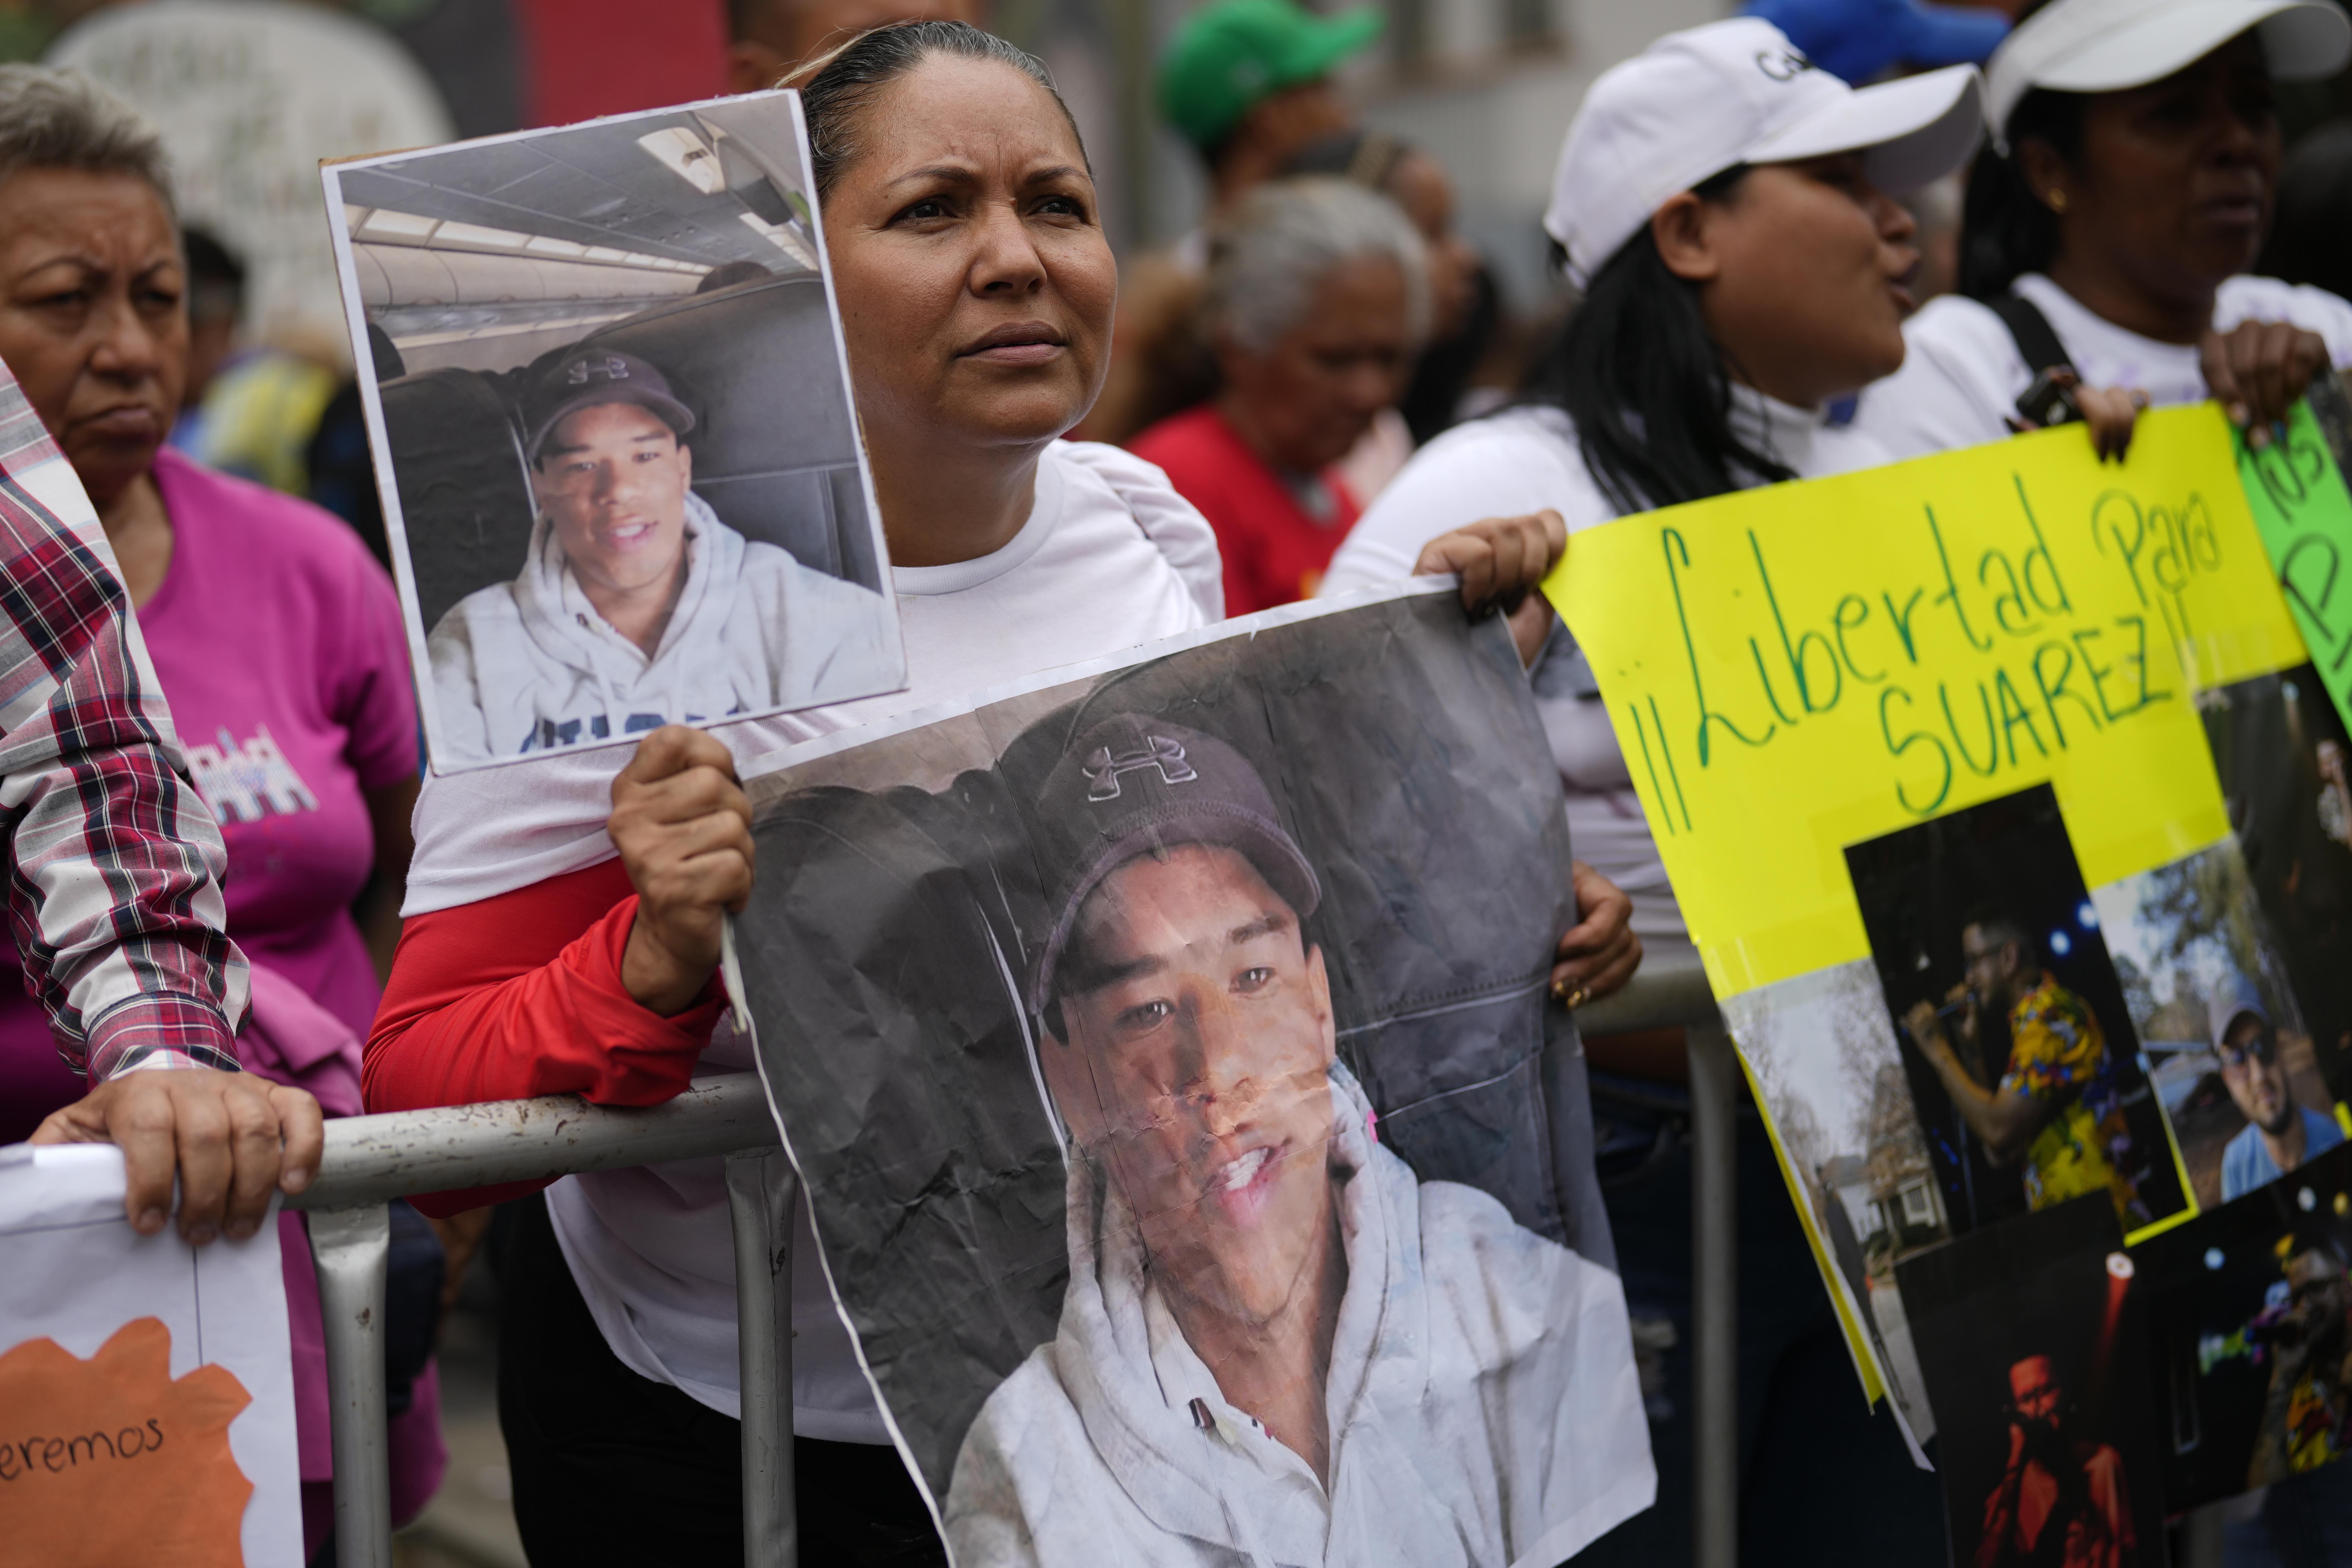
2034 1393
1991 966
612 479
2255 1076
2321 1294
1196 1067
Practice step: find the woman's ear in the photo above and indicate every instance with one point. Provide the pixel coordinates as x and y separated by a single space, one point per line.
1683 230
2047 177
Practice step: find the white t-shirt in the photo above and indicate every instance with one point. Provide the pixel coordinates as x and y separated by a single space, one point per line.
1963 371
1525 460
1112 556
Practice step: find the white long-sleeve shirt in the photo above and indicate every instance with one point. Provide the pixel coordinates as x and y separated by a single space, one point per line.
1963 372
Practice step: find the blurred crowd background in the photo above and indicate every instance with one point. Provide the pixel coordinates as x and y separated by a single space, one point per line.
1454 109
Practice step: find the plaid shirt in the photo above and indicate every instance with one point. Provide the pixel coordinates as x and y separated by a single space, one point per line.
115 862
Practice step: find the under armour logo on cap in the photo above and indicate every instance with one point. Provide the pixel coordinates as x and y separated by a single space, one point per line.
1783 65
1103 766
1108 798
612 367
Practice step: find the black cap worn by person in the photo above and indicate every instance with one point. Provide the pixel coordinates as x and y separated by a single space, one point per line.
1132 785
587 378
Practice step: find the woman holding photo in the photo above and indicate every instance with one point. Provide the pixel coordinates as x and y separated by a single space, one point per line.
565 915
1743 265
2129 185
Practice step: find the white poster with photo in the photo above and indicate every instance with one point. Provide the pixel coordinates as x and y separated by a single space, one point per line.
610 408
1194 1149
146 1386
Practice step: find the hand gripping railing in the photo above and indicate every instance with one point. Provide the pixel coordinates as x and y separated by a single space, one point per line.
371 1160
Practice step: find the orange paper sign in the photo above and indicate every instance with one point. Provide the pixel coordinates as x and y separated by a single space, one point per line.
109 1461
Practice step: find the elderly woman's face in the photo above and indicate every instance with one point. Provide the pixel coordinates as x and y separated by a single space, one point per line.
91 317
976 285
1306 400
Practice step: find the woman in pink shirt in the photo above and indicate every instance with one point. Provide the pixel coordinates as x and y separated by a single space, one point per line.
276 637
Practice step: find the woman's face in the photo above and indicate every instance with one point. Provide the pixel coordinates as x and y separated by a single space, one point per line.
2173 184
1806 276
91 317
1311 396
976 285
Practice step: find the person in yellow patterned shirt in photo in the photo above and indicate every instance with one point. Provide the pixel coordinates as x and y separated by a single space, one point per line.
2057 1106
2307 1329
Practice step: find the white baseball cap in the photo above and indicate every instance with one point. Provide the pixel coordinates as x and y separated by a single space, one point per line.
2106 45
1694 103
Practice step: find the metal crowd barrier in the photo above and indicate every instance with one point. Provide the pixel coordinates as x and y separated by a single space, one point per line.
371 1160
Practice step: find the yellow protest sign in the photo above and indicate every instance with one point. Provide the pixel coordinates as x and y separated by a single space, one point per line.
1798 668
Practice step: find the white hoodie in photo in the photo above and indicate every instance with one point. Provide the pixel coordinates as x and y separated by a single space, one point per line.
1482 1407
529 665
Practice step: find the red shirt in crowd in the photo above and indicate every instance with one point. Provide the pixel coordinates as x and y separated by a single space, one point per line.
1275 549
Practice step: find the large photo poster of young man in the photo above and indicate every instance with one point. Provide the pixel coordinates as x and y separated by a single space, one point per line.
1192 1143
605 388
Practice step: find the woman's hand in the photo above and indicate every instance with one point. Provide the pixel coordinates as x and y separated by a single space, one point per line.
2257 370
684 829
1600 952
2108 413
1499 560
230 1137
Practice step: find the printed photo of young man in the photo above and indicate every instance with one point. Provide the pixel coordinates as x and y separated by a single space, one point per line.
1277 1342
636 607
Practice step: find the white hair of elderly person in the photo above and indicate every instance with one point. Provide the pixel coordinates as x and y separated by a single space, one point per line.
1315 308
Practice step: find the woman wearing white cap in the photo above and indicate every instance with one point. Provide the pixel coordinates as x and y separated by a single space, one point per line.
2109 225
1730 212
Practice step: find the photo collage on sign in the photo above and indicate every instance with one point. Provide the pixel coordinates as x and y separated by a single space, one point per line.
2046 997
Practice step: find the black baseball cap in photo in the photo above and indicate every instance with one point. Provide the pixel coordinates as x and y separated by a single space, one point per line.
1132 785
585 378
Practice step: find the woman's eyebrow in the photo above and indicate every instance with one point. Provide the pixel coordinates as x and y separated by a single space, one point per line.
955 174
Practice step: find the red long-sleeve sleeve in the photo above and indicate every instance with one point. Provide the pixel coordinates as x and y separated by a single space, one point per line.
518 995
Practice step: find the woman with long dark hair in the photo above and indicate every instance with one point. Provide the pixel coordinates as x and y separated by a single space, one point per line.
1742 267
2129 184
1729 213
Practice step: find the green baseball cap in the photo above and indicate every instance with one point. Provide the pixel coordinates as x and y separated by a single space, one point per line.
1231 55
